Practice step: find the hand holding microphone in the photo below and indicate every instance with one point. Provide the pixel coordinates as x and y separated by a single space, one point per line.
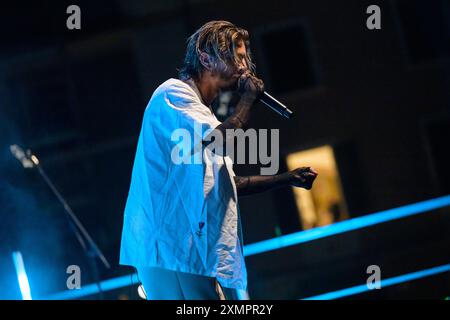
249 86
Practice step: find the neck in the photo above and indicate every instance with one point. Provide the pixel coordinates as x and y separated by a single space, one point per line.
208 86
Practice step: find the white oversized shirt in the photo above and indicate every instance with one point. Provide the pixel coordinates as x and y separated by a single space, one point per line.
182 217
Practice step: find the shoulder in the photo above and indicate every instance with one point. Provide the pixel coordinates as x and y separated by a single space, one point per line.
178 96
173 93
177 92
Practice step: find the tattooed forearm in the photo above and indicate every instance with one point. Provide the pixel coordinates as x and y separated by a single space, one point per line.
256 184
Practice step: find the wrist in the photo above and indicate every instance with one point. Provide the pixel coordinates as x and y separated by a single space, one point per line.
247 98
286 178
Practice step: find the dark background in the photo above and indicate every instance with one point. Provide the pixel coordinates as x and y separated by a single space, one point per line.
381 98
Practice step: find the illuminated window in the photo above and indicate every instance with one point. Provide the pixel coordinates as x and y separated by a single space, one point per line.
324 203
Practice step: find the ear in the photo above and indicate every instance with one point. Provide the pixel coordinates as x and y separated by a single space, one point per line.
205 60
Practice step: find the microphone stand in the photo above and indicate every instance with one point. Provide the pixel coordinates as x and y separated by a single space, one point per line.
90 249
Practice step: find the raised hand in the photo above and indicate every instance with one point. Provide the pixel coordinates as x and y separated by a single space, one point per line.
303 177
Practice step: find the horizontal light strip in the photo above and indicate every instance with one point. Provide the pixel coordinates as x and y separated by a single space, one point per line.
287 240
344 226
21 275
89 289
384 283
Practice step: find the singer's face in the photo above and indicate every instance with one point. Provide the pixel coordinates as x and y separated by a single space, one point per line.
230 73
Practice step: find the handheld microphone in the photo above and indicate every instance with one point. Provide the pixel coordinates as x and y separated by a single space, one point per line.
275 105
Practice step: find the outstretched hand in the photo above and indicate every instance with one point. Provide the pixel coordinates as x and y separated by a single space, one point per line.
303 177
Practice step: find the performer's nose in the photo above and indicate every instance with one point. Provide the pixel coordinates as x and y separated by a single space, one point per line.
242 69
242 66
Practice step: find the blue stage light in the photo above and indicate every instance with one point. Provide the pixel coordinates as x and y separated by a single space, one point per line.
91 289
21 276
384 283
301 237
344 226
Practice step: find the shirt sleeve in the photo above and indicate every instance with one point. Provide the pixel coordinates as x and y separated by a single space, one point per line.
191 110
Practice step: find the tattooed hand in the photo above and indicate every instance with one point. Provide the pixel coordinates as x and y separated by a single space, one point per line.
303 177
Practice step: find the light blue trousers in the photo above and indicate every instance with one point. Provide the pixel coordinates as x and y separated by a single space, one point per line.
163 284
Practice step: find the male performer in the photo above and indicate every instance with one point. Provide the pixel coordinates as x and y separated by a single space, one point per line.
181 225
